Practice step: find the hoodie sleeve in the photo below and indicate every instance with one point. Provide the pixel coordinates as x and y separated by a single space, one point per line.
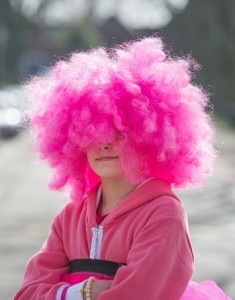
43 271
159 263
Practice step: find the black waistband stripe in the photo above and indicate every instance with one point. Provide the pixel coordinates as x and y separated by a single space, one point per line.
105 267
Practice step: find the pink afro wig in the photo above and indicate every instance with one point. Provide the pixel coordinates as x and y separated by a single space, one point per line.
136 90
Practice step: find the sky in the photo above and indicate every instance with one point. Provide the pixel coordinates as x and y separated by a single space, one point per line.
132 13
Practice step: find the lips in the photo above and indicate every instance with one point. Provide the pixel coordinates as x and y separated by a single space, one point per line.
106 158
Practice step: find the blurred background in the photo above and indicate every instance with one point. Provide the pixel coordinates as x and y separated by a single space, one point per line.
33 35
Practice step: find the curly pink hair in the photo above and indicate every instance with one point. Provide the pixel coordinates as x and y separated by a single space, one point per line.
137 90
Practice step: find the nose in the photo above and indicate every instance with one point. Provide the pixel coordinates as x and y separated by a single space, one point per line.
106 146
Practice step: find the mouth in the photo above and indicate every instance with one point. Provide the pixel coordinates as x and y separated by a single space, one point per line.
106 158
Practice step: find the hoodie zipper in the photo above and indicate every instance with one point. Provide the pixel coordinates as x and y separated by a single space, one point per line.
97 236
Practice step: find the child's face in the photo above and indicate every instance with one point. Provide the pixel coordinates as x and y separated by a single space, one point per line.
105 159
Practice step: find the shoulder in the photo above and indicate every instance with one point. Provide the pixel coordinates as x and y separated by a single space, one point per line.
71 211
171 206
165 209
167 222
157 198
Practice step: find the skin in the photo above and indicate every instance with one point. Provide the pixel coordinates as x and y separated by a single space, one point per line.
105 160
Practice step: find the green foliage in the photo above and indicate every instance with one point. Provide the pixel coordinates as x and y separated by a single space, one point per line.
24 35
82 35
207 29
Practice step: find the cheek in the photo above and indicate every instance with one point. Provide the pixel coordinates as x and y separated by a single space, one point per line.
91 162
91 154
118 147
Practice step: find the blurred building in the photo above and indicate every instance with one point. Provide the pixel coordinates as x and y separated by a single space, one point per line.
113 32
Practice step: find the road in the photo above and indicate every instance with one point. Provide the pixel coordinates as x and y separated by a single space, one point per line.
28 207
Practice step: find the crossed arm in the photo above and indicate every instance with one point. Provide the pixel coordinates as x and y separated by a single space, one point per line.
160 249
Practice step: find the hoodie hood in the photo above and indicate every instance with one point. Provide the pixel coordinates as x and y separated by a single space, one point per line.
146 192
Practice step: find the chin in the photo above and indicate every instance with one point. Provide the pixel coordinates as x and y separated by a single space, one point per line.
110 176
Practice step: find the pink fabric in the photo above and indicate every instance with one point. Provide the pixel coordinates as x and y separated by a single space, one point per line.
147 231
80 277
206 290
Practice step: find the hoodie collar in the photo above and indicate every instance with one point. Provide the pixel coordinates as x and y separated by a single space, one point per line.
147 191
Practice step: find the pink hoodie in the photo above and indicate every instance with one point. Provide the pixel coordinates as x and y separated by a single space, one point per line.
147 231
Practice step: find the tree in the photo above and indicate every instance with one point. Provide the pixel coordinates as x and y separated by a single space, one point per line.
16 27
44 10
207 29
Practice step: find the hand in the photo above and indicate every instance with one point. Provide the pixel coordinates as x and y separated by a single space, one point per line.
99 286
